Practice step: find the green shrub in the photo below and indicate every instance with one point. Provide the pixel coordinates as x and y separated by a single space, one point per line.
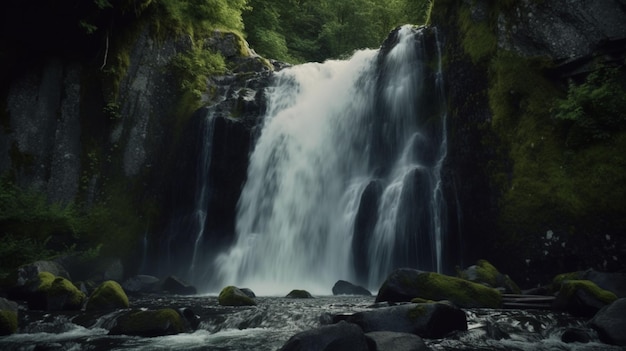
595 108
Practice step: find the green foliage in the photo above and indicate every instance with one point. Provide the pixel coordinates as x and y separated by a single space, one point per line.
194 67
596 108
27 214
19 250
313 30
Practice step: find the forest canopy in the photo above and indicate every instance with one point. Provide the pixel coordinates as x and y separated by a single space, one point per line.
315 30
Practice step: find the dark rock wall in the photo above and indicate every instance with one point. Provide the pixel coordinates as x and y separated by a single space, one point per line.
531 240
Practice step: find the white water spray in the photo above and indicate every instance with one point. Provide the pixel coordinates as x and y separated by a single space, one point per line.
329 131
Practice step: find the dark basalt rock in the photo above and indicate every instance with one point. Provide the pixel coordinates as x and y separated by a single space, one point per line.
141 283
175 285
390 341
248 292
299 294
337 337
610 323
429 320
343 287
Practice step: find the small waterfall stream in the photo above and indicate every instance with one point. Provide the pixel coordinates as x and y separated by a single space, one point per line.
344 181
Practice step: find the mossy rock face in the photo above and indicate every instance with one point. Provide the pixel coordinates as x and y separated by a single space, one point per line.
149 323
108 296
233 296
405 284
299 294
559 279
55 293
582 298
8 317
485 273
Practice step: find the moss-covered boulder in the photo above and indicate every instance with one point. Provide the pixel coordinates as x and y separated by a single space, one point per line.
108 296
613 282
54 294
149 323
233 296
299 294
405 284
582 298
484 272
8 317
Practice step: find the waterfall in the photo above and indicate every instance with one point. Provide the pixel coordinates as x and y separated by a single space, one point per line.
344 181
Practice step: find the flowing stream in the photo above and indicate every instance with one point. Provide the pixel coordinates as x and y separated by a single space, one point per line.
274 320
344 181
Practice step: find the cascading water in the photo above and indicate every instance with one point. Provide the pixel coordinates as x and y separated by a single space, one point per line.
344 181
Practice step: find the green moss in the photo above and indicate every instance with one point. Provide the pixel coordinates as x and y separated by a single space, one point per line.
421 300
109 295
74 298
569 288
559 279
463 293
55 289
45 281
232 296
8 322
487 273
417 312
150 323
479 38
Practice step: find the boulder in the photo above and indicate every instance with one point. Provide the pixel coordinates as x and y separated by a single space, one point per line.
22 286
613 282
248 292
8 317
582 298
149 323
610 323
390 341
114 270
141 284
343 287
108 296
429 320
232 296
175 285
485 273
335 337
299 294
54 294
404 284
